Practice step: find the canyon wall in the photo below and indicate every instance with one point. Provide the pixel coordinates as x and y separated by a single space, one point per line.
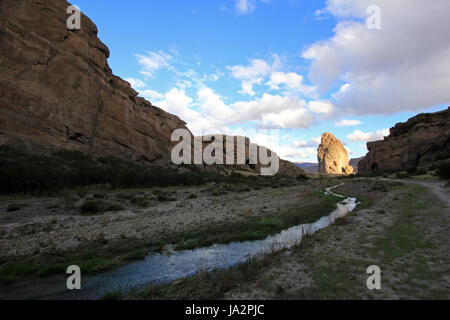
57 91
421 142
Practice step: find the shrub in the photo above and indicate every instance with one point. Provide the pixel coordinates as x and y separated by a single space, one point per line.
89 207
443 171
401 175
302 176
13 207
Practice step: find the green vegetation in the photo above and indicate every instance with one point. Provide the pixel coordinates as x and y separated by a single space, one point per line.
26 173
206 285
92 258
443 171
101 254
257 228
405 249
13 207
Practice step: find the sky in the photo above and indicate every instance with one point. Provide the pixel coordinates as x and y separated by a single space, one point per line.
283 72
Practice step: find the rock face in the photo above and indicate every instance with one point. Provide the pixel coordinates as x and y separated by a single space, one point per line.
354 163
332 156
285 167
421 142
57 90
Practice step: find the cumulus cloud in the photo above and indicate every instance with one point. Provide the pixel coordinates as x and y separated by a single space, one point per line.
292 82
136 83
360 136
403 66
321 107
348 123
254 73
151 95
153 61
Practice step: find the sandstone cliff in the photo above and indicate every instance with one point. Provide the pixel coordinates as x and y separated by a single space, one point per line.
354 163
285 167
58 92
332 156
422 141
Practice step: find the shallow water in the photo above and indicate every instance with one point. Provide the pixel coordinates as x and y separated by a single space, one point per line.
169 266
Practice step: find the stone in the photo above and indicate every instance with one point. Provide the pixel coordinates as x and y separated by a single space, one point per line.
421 142
332 156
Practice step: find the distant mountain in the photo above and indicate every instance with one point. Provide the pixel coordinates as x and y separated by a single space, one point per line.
309 167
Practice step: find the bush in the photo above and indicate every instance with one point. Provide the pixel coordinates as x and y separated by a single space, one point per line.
28 173
443 171
302 176
89 207
401 175
13 207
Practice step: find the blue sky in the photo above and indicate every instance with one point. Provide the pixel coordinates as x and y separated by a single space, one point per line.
302 67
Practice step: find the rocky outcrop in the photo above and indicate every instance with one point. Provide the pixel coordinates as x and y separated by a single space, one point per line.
421 142
285 167
354 163
332 156
58 92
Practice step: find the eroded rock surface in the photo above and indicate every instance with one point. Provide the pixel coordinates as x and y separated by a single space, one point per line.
421 142
58 92
332 156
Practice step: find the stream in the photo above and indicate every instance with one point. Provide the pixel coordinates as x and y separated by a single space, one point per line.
172 265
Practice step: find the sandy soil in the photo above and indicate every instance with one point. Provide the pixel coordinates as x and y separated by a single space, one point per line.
44 225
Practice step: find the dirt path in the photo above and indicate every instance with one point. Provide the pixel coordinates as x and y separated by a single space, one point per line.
437 187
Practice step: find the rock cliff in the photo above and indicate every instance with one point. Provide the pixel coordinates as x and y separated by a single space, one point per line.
332 156
57 91
422 141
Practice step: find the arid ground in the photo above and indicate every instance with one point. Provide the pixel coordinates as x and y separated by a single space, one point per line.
401 226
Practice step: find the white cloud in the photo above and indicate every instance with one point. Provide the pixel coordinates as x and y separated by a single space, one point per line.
349 151
245 6
136 83
317 140
254 73
348 123
292 81
152 95
403 66
288 118
153 61
361 136
321 107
